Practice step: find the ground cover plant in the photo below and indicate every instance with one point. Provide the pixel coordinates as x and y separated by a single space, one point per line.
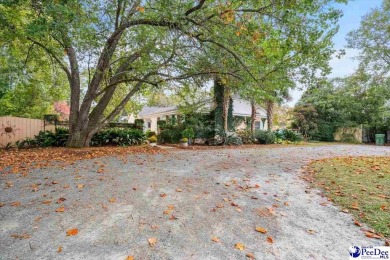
360 185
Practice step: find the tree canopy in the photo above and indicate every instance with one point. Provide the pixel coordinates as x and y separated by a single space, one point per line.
109 51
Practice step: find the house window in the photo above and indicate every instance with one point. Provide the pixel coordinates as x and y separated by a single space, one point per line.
149 124
257 125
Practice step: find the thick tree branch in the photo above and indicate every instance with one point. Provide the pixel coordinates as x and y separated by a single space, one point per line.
195 8
51 53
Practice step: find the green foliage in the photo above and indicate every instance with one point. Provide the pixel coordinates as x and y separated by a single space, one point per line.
46 139
188 133
231 120
118 136
152 139
219 92
233 139
139 123
265 137
288 135
324 132
150 134
359 99
161 123
246 136
171 135
184 140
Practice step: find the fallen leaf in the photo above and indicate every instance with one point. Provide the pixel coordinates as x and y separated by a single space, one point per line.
387 243
46 201
311 231
286 203
163 195
59 250
172 217
61 209
215 239
179 190
239 246
357 223
2 204
261 230
112 200
270 240
72 232
15 204
171 207
345 210
80 186
152 241
372 235
129 257
60 200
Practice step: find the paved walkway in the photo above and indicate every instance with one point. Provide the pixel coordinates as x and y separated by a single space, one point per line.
183 199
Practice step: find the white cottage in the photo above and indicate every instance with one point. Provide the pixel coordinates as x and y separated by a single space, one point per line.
241 107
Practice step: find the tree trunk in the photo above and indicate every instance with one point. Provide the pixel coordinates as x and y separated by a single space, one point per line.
270 114
253 117
226 99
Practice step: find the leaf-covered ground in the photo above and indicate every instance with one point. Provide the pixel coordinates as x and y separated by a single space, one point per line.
360 185
181 204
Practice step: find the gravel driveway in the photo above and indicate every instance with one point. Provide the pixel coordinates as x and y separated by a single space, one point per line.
180 201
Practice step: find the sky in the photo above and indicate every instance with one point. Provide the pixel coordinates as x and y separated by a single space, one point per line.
344 66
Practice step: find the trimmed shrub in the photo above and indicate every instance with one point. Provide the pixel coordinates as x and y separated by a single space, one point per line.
118 136
188 133
153 139
246 136
170 136
150 134
264 137
184 140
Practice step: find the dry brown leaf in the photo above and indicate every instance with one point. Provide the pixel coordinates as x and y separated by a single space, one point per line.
61 209
112 200
59 250
72 232
15 204
261 230
172 217
46 201
163 195
2 204
152 241
311 231
171 207
130 257
239 246
372 235
250 256
357 223
80 186
215 239
387 243
179 190
270 240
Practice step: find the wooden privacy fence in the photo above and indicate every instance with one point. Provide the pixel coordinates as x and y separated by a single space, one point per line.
13 129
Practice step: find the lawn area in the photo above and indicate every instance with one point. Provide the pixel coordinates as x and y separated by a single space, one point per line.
360 185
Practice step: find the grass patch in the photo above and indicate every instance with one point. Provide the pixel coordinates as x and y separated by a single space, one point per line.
360 185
